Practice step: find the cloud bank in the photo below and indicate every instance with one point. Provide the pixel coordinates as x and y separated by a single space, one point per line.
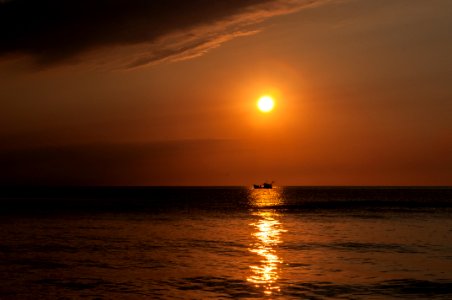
129 32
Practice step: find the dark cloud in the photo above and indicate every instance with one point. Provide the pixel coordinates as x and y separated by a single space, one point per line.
53 30
156 163
214 162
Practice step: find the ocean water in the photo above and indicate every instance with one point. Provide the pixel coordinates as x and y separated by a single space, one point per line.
220 243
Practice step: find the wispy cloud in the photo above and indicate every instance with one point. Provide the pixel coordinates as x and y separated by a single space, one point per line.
129 33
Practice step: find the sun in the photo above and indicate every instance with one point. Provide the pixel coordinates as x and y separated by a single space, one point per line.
265 104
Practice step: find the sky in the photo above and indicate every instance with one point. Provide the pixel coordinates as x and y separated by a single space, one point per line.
164 92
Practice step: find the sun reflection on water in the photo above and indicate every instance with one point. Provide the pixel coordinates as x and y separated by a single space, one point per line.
266 233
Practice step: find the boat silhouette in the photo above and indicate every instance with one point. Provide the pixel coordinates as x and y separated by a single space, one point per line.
265 185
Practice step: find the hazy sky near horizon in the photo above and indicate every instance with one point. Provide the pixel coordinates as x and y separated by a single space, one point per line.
164 92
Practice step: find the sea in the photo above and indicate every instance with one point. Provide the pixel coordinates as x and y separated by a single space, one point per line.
226 243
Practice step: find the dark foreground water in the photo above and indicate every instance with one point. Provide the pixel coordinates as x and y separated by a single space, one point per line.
197 243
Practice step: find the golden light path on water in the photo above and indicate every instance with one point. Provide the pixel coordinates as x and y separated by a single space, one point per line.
267 236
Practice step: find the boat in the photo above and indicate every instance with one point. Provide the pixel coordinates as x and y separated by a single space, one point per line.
265 185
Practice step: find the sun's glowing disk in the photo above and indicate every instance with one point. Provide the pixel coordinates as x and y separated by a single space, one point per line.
265 104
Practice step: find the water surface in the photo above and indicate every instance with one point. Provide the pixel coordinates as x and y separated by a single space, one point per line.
197 243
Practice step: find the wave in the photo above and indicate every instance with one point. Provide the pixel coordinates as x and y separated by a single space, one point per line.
190 199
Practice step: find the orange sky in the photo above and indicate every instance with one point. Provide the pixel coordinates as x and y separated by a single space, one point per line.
362 90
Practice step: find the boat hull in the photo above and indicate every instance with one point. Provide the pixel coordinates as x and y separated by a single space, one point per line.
263 186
